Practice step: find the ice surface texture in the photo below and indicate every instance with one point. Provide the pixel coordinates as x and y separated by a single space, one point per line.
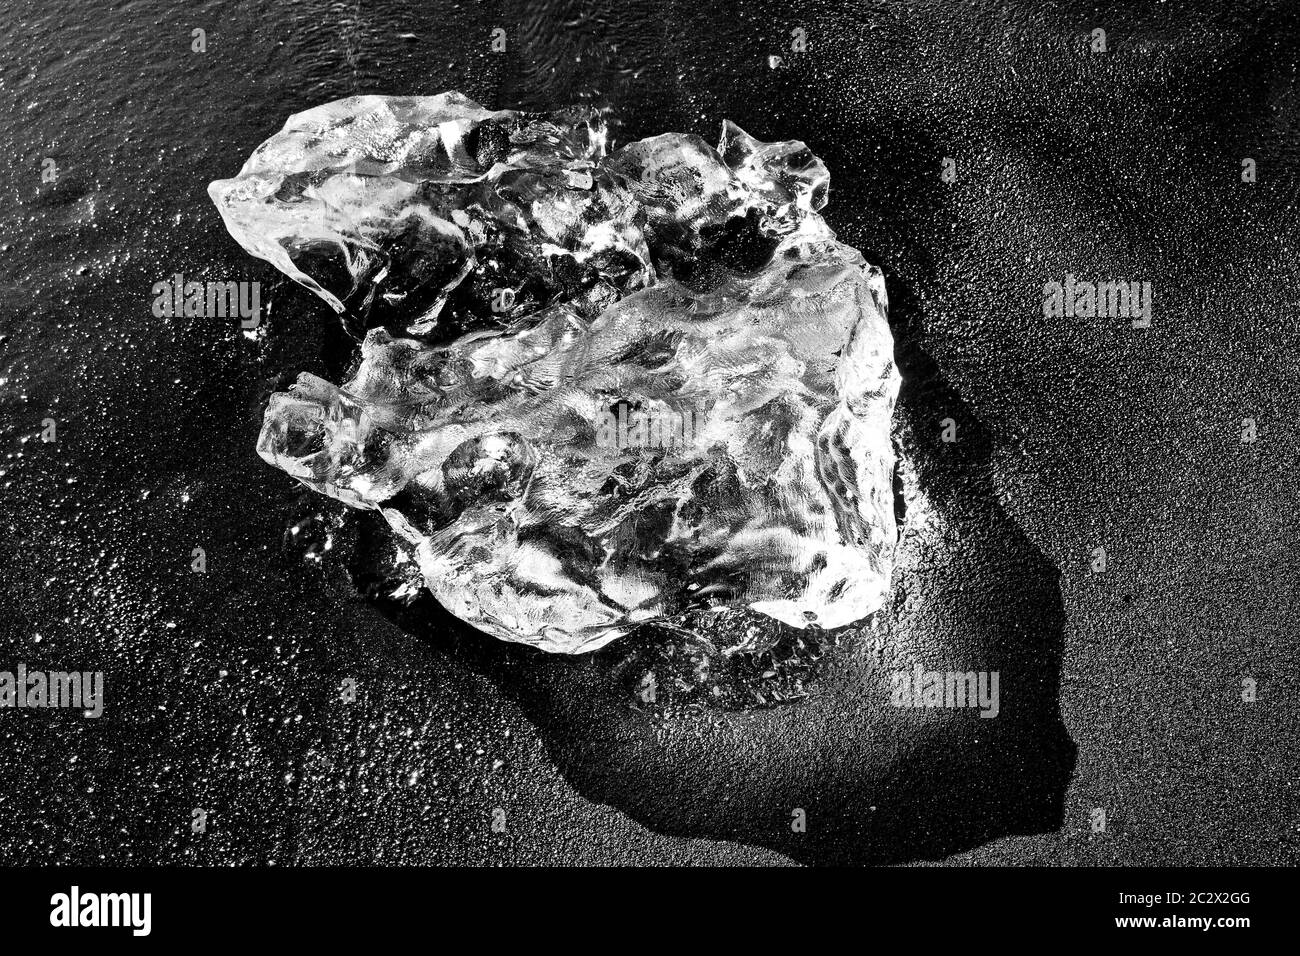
594 389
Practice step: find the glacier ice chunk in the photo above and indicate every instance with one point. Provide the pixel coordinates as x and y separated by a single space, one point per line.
595 390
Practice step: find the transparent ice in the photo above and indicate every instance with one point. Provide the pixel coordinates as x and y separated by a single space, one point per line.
538 318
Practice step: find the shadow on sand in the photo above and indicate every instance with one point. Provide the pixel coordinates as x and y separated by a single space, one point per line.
875 783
